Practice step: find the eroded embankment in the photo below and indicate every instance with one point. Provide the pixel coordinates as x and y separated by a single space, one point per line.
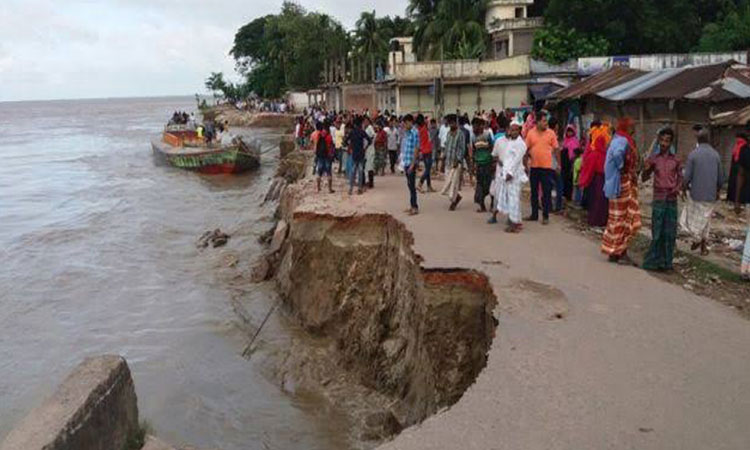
417 336
239 118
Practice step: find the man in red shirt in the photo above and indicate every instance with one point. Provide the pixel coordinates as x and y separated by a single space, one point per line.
667 172
425 152
542 144
324 154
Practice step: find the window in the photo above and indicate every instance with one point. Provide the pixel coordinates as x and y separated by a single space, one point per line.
501 48
520 13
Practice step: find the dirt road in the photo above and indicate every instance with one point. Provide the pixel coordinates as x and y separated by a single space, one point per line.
588 355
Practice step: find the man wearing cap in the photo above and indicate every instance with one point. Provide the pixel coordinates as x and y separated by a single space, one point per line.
510 176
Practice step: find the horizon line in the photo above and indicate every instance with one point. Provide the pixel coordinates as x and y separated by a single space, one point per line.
122 97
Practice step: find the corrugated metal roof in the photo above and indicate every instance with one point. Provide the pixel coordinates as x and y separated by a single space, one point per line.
690 79
597 83
707 83
738 118
637 86
736 87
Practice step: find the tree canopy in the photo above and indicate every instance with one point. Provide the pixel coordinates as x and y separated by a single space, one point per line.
451 28
640 27
732 32
287 50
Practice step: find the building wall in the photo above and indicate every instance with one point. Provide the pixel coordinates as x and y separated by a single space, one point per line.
517 66
298 100
523 41
385 98
656 115
467 98
359 97
409 101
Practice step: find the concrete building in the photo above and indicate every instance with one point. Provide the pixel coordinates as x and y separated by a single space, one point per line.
510 28
406 85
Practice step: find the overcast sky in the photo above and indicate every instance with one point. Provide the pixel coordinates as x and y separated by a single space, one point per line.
56 49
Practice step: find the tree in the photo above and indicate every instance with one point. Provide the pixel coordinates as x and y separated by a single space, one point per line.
556 44
287 50
371 38
422 13
637 26
215 84
731 33
452 28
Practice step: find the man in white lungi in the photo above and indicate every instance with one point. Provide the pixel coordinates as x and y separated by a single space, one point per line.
454 155
704 176
510 176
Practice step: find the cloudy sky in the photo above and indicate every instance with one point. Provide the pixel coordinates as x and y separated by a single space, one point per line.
55 49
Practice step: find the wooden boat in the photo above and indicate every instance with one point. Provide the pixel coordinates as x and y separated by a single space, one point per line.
183 148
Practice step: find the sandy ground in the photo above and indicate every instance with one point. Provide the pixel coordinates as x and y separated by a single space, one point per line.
588 355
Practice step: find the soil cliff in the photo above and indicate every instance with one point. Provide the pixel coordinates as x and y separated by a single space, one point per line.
417 336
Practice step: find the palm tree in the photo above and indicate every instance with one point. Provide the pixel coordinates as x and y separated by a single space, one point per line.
422 13
454 27
371 40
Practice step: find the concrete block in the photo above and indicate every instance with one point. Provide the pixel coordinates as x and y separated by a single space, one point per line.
95 408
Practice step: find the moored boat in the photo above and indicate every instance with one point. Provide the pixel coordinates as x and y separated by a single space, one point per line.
183 148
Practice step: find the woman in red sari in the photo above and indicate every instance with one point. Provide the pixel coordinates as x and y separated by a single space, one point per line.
621 188
592 175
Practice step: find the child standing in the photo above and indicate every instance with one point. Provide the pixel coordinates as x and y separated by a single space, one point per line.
577 163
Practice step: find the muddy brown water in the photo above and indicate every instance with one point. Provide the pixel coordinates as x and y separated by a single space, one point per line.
98 255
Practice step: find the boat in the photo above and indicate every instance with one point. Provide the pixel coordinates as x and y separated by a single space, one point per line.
182 148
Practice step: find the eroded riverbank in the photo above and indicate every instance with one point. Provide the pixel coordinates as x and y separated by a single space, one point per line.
99 256
396 342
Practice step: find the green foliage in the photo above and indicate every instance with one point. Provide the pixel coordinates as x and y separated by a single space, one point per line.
637 26
731 33
372 35
287 50
215 84
451 28
556 44
229 91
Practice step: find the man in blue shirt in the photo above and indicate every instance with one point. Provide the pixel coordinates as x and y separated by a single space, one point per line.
356 140
409 154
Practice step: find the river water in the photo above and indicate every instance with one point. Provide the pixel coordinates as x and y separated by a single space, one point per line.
98 255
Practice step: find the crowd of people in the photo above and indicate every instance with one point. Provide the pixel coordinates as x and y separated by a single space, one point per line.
181 118
209 131
598 169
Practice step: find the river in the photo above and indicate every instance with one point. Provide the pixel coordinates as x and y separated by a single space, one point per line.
98 255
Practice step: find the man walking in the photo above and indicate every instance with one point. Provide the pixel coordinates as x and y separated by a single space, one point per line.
425 151
704 176
482 154
510 151
454 153
359 141
542 144
667 171
435 140
442 135
409 155
393 141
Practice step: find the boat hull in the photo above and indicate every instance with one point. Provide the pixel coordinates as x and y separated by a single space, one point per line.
224 160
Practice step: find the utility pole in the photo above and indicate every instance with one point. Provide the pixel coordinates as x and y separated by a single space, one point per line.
439 89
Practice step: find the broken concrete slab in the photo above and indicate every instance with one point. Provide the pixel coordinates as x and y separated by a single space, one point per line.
95 408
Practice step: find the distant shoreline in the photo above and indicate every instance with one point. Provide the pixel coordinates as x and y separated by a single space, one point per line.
89 99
